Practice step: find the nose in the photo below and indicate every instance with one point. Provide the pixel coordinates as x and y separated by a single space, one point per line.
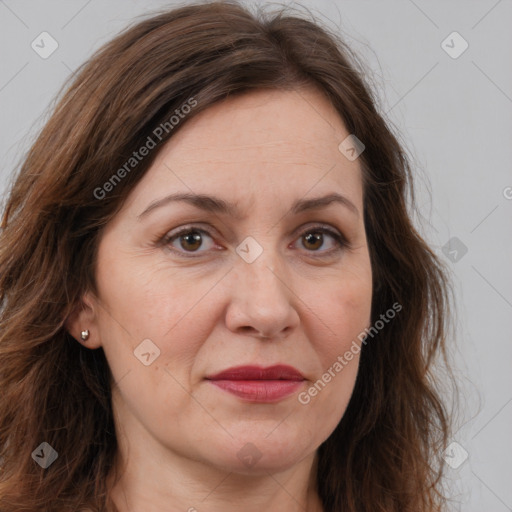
262 303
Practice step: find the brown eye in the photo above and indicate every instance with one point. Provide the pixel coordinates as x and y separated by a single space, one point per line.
194 241
189 240
314 238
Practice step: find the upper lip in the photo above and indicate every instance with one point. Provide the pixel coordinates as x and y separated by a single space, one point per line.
276 372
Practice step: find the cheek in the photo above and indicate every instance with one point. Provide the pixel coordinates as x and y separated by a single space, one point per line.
343 311
343 314
149 314
139 297
141 304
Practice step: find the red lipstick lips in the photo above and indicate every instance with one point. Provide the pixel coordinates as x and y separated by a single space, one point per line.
257 384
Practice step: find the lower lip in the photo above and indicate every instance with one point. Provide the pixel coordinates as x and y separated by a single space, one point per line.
259 390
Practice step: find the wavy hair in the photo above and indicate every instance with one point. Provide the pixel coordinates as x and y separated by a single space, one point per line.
385 455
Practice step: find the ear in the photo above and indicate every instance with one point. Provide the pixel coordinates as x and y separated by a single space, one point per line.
84 317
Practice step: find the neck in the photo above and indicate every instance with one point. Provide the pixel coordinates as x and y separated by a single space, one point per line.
149 486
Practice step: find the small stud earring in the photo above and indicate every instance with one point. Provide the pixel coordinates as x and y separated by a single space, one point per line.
85 335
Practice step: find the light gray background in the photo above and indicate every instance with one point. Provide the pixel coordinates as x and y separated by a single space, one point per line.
455 116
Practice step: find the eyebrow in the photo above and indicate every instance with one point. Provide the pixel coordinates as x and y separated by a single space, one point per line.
217 205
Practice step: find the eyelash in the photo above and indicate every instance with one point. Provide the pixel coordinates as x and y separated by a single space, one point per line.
340 240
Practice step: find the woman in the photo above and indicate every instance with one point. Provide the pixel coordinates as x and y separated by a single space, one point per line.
213 297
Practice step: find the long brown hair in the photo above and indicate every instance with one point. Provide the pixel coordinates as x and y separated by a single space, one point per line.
385 454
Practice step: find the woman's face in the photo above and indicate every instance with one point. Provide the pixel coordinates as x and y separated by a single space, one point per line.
256 283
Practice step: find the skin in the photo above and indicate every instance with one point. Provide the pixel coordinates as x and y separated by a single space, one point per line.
178 434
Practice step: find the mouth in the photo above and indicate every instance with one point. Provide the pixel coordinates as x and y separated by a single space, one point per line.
258 384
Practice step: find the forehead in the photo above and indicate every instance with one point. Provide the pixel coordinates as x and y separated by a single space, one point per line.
277 143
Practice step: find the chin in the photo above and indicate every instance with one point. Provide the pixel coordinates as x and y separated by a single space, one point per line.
261 452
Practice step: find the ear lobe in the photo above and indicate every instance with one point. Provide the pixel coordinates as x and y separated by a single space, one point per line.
83 318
